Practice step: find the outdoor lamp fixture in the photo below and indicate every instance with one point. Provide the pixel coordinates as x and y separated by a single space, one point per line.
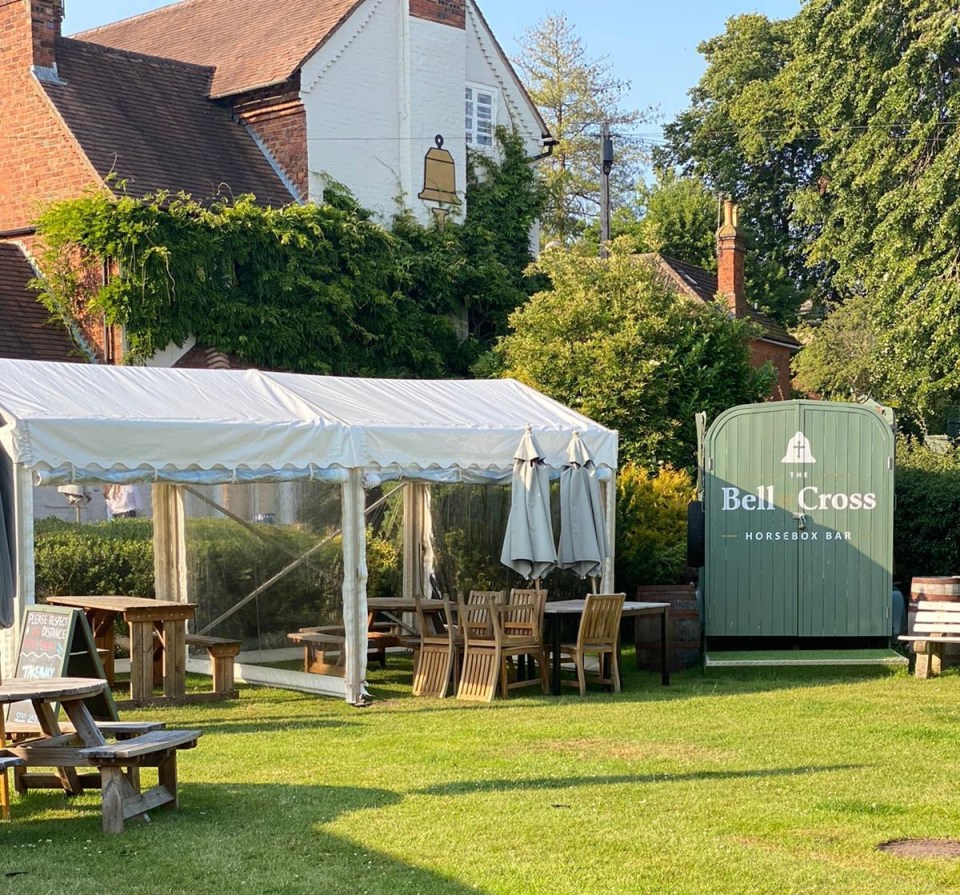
439 180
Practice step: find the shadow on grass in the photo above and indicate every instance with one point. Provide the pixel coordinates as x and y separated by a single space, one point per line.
548 783
272 836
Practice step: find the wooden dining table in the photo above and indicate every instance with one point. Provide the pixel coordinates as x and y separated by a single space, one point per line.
144 618
559 609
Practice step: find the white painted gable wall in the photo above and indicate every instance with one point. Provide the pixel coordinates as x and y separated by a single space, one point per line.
383 86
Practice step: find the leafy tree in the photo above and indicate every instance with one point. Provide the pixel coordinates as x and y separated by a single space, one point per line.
614 341
575 94
838 130
676 216
742 137
837 362
881 86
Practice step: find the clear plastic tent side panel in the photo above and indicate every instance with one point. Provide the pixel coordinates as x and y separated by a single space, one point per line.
264 560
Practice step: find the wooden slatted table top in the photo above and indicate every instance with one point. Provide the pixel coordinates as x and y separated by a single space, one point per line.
15 689
132 608
397 604
630 607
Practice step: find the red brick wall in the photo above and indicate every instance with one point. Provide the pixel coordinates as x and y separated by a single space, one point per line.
778 355
446 12
39 159
280 121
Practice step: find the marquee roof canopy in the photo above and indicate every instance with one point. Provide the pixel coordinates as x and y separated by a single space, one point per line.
76 422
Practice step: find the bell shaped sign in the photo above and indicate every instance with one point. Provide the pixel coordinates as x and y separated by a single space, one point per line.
798 450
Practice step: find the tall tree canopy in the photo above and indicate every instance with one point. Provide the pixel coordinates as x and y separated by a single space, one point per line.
879 81
616 342
575 94
838 132
734 136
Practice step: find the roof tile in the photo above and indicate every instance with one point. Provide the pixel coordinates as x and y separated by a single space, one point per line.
27 333
149 122
250 43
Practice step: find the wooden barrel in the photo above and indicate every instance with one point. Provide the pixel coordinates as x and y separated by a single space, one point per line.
944 589
685 626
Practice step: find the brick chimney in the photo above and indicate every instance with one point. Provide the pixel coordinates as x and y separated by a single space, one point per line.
29 30
46 18
730 261
443 12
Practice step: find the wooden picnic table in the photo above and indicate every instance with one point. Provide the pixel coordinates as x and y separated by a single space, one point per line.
85 746
52 748
166 618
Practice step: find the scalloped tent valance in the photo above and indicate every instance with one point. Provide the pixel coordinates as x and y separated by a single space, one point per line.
71 422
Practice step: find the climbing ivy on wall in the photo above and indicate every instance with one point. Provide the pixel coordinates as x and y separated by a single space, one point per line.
318 288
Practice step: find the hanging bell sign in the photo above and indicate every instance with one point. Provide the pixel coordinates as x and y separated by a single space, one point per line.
439 176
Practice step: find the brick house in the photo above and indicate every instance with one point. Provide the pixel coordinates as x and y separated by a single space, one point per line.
774 343
217 97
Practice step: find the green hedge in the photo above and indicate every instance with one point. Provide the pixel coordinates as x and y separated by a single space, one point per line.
97 558
225 562
926 525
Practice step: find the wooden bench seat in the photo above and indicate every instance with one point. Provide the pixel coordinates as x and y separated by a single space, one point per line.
222 651
323 646
119 729
21 734
935 625
10 761
323 649
122 798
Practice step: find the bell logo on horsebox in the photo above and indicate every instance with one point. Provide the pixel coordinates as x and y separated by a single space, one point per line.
798 450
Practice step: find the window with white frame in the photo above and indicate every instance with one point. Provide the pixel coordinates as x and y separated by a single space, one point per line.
481 115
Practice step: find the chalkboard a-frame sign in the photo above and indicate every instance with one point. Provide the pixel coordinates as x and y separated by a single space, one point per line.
56 642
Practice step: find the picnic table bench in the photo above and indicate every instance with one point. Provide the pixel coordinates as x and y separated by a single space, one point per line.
83 744
324 645
122 799
25 779
222 652
936 624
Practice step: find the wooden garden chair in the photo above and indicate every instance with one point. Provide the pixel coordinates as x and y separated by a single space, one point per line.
436 653
518 631
598 635
481 658
521 623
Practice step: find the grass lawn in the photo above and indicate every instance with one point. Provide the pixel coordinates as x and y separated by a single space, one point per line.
741 781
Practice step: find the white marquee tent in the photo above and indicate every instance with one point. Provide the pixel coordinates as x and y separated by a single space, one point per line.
77 423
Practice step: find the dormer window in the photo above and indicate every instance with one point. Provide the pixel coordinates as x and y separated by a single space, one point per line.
481 115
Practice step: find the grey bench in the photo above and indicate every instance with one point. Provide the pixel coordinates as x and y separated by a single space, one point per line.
121 797
935 625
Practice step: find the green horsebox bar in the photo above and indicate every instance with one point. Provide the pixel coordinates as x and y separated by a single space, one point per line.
798 526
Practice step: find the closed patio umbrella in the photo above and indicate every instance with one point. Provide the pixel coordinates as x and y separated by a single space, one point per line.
583 540
528 547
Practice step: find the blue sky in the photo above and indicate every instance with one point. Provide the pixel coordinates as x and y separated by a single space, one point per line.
651 44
